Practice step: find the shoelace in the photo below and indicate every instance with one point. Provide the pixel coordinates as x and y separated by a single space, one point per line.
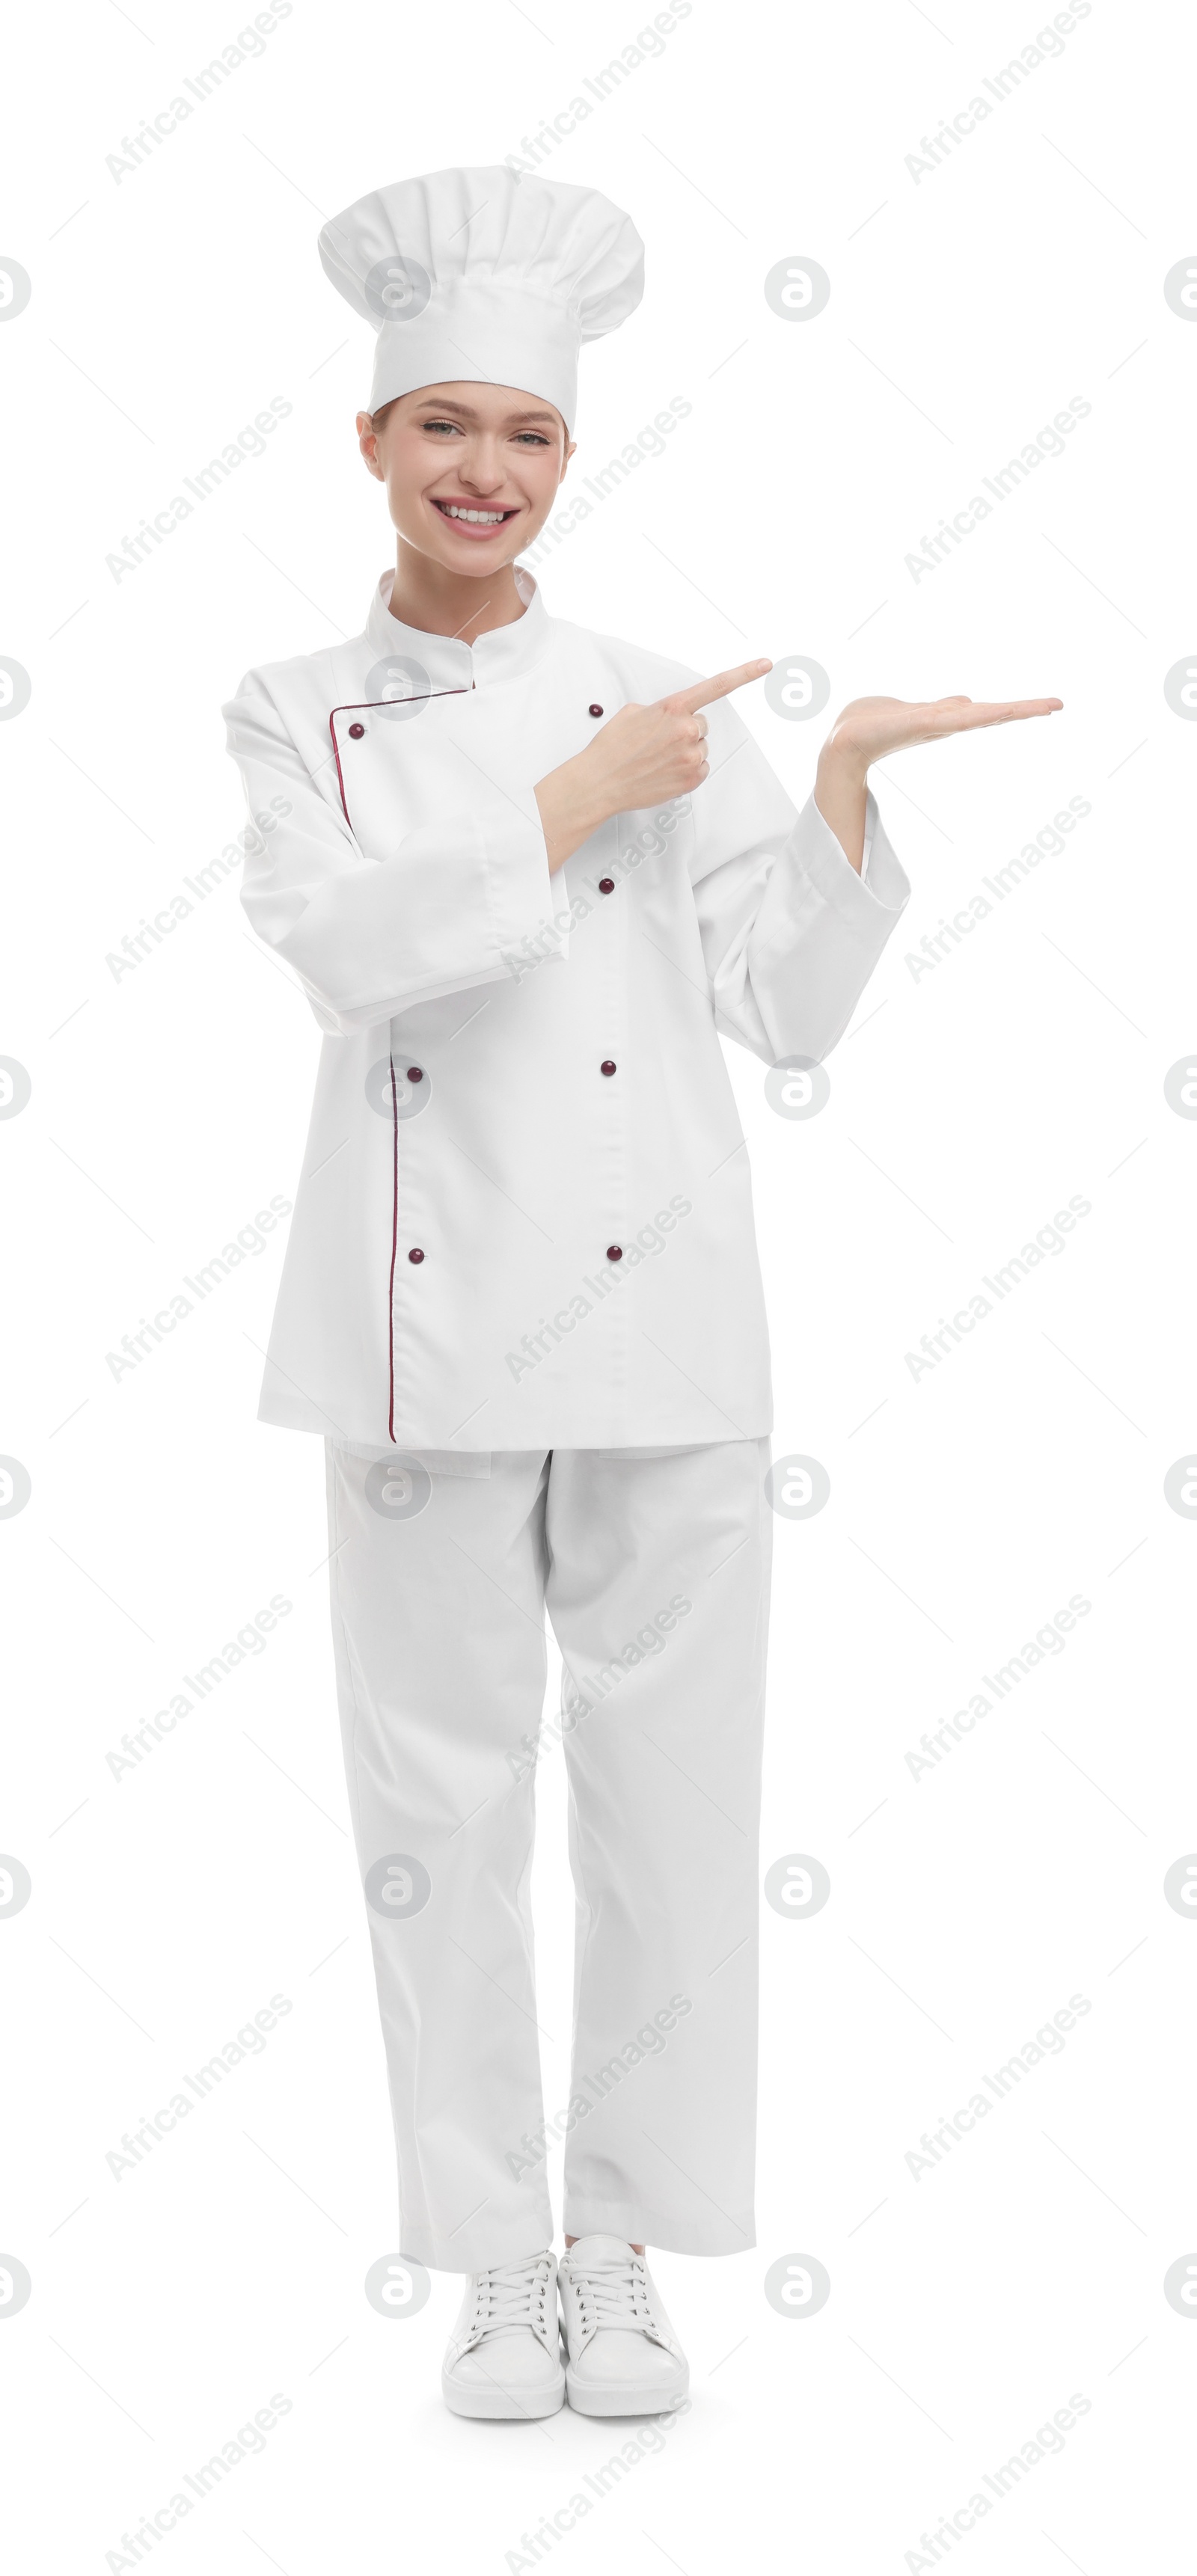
615 2294
513 2294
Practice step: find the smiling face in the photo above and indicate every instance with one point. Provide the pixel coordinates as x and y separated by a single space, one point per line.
471 471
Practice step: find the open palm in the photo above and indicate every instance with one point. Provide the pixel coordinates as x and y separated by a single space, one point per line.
868 728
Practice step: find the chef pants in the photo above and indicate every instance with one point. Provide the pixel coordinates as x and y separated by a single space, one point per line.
654 1568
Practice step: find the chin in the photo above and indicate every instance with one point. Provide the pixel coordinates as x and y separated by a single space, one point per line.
479 563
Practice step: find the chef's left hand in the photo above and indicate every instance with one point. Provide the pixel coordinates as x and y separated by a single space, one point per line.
869 728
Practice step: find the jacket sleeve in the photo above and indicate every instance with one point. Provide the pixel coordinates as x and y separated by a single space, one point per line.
790 932
368 937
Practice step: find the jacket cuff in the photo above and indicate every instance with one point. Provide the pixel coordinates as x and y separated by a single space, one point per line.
520 891
885 888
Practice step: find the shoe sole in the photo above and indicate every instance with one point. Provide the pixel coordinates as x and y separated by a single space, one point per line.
648 2399
502 2405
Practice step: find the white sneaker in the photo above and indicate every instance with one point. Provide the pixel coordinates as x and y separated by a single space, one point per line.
504 2354
624 2357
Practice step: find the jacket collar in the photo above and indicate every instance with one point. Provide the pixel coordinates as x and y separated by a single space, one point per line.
506 653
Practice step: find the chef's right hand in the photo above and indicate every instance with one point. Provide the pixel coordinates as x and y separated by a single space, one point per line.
643 756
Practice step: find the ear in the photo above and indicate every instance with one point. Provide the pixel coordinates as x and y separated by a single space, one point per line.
367 439
571 449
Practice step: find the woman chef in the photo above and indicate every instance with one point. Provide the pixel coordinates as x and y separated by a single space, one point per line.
528 876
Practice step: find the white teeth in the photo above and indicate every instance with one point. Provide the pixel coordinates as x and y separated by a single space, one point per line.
476 518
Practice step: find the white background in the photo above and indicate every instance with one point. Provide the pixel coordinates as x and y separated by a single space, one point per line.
968 305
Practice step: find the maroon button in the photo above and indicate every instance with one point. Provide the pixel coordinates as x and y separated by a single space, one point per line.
356 732
594 711
415 1254
608 1067
615 1252
415 1073
606 885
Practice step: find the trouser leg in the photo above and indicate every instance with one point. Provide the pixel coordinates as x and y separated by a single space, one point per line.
438 1627
658 1589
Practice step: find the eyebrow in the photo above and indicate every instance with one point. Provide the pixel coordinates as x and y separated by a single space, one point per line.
465 411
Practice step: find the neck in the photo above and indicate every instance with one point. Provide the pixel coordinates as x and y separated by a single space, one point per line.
425 595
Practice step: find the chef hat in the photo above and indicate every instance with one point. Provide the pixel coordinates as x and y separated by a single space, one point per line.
477 276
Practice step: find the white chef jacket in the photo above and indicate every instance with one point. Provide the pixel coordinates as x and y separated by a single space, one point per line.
525 1213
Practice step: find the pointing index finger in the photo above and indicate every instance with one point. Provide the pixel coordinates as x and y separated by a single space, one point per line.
687 702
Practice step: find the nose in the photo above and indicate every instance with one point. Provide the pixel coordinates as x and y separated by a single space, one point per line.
481 466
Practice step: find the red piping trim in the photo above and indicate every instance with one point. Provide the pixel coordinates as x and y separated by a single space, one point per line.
337 757
352 708
394 1246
